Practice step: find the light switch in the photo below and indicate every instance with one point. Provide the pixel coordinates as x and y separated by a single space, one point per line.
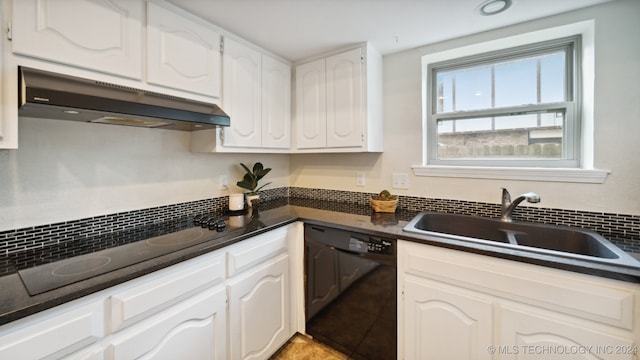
360 179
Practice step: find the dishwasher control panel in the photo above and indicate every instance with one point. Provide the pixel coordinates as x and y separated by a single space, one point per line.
380 246
371 245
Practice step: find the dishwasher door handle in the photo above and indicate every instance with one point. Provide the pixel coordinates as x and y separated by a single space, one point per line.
356 253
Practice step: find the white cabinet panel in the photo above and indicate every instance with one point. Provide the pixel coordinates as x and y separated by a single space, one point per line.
102 35
8 120
259 310
534 312
193 329
182 53
311 118
339 103
186 311
242 74
55 332
130 305
276 103
531 334
607 303
443 322
252 251
344 99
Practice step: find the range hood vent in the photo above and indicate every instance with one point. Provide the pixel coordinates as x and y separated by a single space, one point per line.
44 94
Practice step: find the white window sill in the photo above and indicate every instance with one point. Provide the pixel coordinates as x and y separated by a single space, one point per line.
593 176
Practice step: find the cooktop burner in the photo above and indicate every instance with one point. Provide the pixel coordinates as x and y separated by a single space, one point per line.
55 266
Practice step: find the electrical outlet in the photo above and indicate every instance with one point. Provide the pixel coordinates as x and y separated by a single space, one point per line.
360 178
400 181
223 182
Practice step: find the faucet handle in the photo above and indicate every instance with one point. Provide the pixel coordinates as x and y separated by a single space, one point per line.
506 197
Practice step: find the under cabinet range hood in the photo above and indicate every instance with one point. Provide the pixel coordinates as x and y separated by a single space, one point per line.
44 94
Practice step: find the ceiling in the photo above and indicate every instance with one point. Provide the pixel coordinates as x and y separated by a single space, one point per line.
298 29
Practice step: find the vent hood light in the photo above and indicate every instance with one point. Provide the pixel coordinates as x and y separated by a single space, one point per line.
132 122
44 94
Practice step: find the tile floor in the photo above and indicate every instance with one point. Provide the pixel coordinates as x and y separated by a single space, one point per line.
301 347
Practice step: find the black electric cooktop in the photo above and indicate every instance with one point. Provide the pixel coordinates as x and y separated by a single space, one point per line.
51 267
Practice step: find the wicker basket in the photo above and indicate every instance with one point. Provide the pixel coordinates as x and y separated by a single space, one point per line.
385 206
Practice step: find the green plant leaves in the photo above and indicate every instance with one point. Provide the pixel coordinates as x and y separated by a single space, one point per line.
259 171
251 178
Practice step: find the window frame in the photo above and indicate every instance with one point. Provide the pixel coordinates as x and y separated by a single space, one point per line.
571 143
511 37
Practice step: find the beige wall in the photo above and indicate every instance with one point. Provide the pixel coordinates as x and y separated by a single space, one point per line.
617 125
65 170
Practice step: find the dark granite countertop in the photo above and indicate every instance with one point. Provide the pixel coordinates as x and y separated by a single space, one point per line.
16 303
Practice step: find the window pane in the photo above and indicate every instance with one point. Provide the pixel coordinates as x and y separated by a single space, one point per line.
552 78
502 137
537 79
472 89
444 95
516 83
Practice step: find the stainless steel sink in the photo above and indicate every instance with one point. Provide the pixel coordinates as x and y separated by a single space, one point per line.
521 236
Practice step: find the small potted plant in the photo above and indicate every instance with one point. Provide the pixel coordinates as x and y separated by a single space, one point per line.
384 202
251 179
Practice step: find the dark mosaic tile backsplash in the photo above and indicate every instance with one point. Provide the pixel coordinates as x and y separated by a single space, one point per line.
621 229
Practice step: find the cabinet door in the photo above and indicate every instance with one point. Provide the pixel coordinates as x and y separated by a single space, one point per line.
193 329
8 114
259 310
530 333
276 104
102 35
241 94
311 117
53 333
445 322
345 111
182 53
148 296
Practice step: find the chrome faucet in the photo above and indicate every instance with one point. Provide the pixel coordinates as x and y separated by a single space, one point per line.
508 205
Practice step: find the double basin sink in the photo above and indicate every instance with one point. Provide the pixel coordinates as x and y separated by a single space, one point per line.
566 242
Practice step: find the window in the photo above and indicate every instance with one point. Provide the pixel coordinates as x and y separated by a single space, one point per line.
515 107
545 107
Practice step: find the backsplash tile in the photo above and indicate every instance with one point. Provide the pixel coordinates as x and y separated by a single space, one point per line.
623 230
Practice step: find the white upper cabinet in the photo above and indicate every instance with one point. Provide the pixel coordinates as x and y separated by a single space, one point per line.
102 35
8 123
311 109
345 112
256 94
182 53
339 103
276 103
242 73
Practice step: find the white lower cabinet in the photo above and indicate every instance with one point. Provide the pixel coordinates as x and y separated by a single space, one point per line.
435 314
259 290
193 329
235 302
458 305
532 333
54 333
259 318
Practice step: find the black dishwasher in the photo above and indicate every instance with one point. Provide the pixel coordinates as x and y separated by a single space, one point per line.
350 287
